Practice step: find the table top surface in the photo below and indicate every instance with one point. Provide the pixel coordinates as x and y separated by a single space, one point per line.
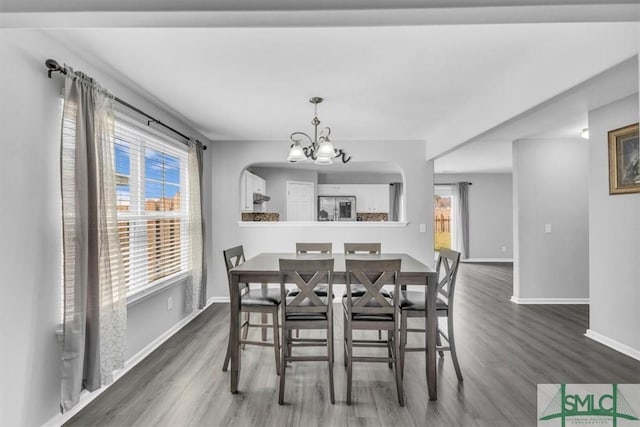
267 262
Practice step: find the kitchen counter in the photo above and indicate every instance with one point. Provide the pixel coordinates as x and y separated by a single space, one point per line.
260 216
372 216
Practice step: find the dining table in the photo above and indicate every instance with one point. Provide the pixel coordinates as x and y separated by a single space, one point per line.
264 268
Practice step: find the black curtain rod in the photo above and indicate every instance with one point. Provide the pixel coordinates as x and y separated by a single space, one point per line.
53 67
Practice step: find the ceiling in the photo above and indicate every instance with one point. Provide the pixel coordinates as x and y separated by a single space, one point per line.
563 116
447 85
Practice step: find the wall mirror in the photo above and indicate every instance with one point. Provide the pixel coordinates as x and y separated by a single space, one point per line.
360 192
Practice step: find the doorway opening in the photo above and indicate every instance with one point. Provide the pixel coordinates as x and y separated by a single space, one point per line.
442 217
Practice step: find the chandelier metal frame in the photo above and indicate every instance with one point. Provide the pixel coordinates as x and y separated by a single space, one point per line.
312 150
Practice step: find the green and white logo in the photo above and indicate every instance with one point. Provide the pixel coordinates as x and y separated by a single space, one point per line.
588 404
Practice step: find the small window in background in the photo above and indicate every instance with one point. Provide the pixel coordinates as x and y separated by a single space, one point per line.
442 203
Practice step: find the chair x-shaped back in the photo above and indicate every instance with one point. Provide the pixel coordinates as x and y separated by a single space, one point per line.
449 261
373 289
306 288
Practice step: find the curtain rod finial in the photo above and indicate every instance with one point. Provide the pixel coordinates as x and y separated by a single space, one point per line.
52 65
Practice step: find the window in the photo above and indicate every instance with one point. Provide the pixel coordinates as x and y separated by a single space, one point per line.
152 206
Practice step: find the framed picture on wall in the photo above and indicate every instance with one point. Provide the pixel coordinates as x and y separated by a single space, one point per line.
624 160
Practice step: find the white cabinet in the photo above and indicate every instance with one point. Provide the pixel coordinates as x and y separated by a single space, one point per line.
249 184
336 190
379 198
246 192
259 185
323 189
372 198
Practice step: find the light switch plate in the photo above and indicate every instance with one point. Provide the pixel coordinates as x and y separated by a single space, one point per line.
547 228
423 228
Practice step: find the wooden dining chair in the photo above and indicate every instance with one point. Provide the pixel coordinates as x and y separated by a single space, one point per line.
363 248
412 304
261 301
306 310
366 248
372 311
369 248
312 248
322 248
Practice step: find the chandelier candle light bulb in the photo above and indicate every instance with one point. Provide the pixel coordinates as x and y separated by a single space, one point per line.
320 148
296 154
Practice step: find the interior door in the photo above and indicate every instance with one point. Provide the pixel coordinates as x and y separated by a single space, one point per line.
300 198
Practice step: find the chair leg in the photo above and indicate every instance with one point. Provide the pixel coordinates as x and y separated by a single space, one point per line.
284 343
263 316
403 340
452 346
344 338
439 344
332 395
389 347
263 319
397 370
349 360
276 340
333 351
227 357
380 335
245 332
283 363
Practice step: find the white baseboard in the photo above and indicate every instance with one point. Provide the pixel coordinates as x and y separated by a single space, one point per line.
487 260
87 397
616 345
549 300
218 300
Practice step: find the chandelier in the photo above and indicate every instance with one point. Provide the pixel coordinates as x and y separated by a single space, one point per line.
319 149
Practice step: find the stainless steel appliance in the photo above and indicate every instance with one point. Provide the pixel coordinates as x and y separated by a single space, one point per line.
336 208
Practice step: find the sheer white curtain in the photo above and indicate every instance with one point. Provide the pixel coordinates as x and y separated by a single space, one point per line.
94 320
460 214
196 286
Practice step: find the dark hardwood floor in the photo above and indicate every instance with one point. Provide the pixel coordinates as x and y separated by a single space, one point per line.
504 350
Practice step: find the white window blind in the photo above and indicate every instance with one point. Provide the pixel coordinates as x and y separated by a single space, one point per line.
151 191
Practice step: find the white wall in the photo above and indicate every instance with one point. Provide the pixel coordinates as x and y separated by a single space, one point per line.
490 213
30 248
614 227
230 158
550 186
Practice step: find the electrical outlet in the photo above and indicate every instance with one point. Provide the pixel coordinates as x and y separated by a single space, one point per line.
169 303
423 228
547 228
503 249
